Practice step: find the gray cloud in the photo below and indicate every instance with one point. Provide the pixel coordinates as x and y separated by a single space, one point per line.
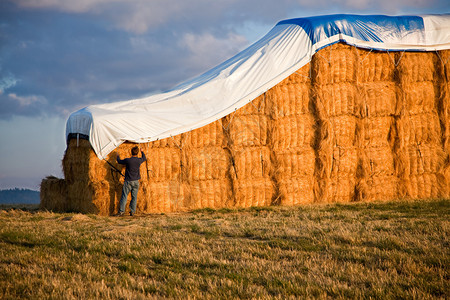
57 56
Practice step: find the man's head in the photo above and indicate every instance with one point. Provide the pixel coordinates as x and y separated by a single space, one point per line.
135 151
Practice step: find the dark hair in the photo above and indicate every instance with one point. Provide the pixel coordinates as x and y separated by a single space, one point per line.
135 150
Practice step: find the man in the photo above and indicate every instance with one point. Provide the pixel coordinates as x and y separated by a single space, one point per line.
131 183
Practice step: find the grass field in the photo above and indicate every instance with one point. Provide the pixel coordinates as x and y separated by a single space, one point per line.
365 250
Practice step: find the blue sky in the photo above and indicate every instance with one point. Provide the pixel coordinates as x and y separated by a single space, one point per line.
57 56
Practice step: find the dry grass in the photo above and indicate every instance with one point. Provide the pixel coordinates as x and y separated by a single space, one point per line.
365 250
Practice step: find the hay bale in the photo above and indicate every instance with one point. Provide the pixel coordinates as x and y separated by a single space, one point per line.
206 136
339 131
424 186
416 67
378 99
292 132
171 142
297 190
254 192
53 194
295 163
418 129
248 130
289 99
162 163
252 162
335 64
210 193
376 132
207 163
340 190
337 99
374 66
422 159
377 161
377 188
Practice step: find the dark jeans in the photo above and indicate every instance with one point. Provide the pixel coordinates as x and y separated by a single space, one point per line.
133 187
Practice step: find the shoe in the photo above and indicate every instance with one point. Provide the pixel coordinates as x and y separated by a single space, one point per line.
119 214
131 214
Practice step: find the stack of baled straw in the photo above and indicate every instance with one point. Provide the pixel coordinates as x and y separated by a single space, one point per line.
247 142
352 125
421 156
377 97
292 138
337 112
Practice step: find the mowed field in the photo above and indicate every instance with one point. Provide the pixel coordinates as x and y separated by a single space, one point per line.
378 250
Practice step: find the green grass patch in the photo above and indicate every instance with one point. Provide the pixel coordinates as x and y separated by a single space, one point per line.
360 250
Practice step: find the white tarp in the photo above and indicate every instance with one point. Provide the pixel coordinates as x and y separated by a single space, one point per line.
229 86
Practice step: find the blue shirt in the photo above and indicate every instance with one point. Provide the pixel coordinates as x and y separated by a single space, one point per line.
132 166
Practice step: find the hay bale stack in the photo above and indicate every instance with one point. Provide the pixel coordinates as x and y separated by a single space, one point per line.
377 92
420 150
89 181
351 125
337 111
292 138
208 167
53 194
246 132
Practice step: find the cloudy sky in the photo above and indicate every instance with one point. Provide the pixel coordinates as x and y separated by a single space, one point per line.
57 56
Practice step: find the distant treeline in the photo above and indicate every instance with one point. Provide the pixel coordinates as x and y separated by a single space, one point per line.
19 196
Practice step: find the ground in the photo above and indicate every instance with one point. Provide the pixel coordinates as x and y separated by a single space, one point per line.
362 250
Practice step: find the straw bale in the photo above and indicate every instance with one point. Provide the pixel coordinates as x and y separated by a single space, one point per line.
248 130
256 107
416 66
162 163
206 136
335 64
337 99
292 132
418 129
378 99
254 192
341 190
341 130
424 186
377 161
77 161
344 162
295 163
288 99
378 188
53 194
210 193
375 66
298 190
419 97
207 163
376 132
158 196
338 162
420 159
252 162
